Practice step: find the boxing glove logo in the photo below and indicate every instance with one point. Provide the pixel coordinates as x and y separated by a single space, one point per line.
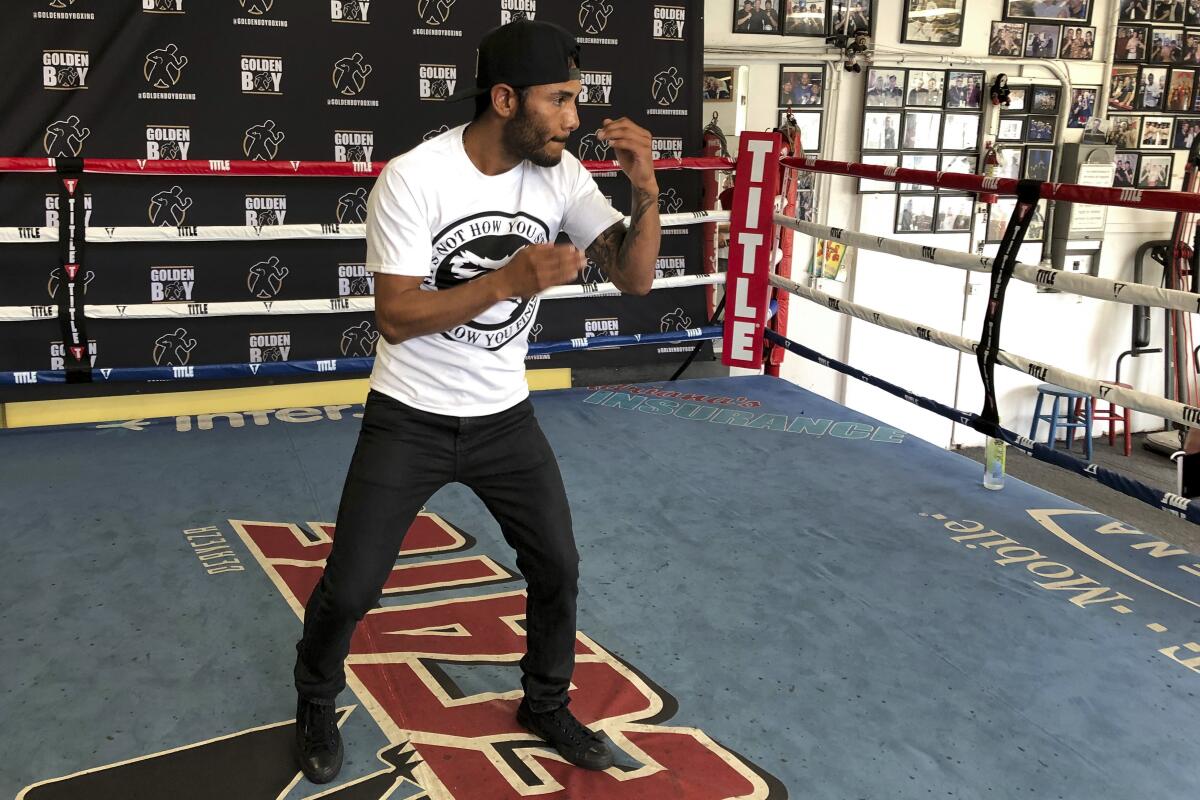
265 279
64 138
593 16
359 341
434 12
350 74
674 321
163 67
352 207
261 142
666 85
173 349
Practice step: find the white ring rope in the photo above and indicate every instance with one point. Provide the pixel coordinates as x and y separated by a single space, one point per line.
1138 294
254 233
1128 398
334 305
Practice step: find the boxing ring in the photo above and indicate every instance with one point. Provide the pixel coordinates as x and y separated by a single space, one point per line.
780 597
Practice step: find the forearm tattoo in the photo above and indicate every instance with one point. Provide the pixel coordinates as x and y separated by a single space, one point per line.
643 201
611 249
604 251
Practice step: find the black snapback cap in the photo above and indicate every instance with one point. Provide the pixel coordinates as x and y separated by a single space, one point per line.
523 53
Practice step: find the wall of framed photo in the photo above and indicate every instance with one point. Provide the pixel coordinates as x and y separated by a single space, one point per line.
802 102
906 108
813 18
1153 104
1025 136
923 119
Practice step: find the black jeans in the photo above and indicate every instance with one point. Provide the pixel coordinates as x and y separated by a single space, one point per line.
405 455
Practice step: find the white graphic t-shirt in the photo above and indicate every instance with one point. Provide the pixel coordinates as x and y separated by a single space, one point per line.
433 215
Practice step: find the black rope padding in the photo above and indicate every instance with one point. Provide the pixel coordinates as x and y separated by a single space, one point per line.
988 349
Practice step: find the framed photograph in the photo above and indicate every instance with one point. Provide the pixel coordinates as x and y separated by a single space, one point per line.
1154 172
851 16
921 130
1011 159
809 123
937 22
1131 44
925 88
1186 131
1083 105
1038 161
804 18
1012 129
1040 129
964 89
1156 133
756 16
927 161
961 132
1007 39
1037 225
1166 46
1191 13
805 206
1126 174
885 88
1196 102
1135 10
881 130
954 213
1181 89
1070 11
1169 11
1191 46
999 214
1125 132
914 213
1152 85
1122 88
1041 41
720 84
1018 100
801 85
959 163
868 186
1045 100
1078 42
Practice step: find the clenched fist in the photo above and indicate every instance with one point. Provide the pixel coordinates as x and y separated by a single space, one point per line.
540 266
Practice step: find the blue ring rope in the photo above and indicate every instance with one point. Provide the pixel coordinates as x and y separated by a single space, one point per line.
1167 501
333 365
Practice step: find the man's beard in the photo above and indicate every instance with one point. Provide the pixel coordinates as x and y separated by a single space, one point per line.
524 139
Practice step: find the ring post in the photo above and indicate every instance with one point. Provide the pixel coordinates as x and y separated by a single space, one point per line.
755 184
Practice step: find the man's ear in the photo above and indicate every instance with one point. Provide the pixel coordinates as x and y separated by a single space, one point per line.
505 100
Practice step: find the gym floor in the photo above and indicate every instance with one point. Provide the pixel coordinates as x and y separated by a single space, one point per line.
780 597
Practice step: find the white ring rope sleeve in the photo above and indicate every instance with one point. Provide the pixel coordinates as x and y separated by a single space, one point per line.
1128 398
1139 294
333 305
254 233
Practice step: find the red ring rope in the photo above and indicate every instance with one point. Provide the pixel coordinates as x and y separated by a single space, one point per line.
313 169
1148 199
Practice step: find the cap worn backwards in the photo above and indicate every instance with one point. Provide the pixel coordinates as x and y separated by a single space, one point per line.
524 53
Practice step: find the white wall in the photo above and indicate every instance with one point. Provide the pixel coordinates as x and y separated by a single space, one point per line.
1078 334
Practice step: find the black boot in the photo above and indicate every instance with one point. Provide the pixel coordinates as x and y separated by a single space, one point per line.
318 740
574 742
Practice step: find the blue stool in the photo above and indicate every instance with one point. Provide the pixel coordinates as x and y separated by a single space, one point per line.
1067 419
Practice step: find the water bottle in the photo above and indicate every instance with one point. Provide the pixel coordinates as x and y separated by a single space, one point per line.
993 464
